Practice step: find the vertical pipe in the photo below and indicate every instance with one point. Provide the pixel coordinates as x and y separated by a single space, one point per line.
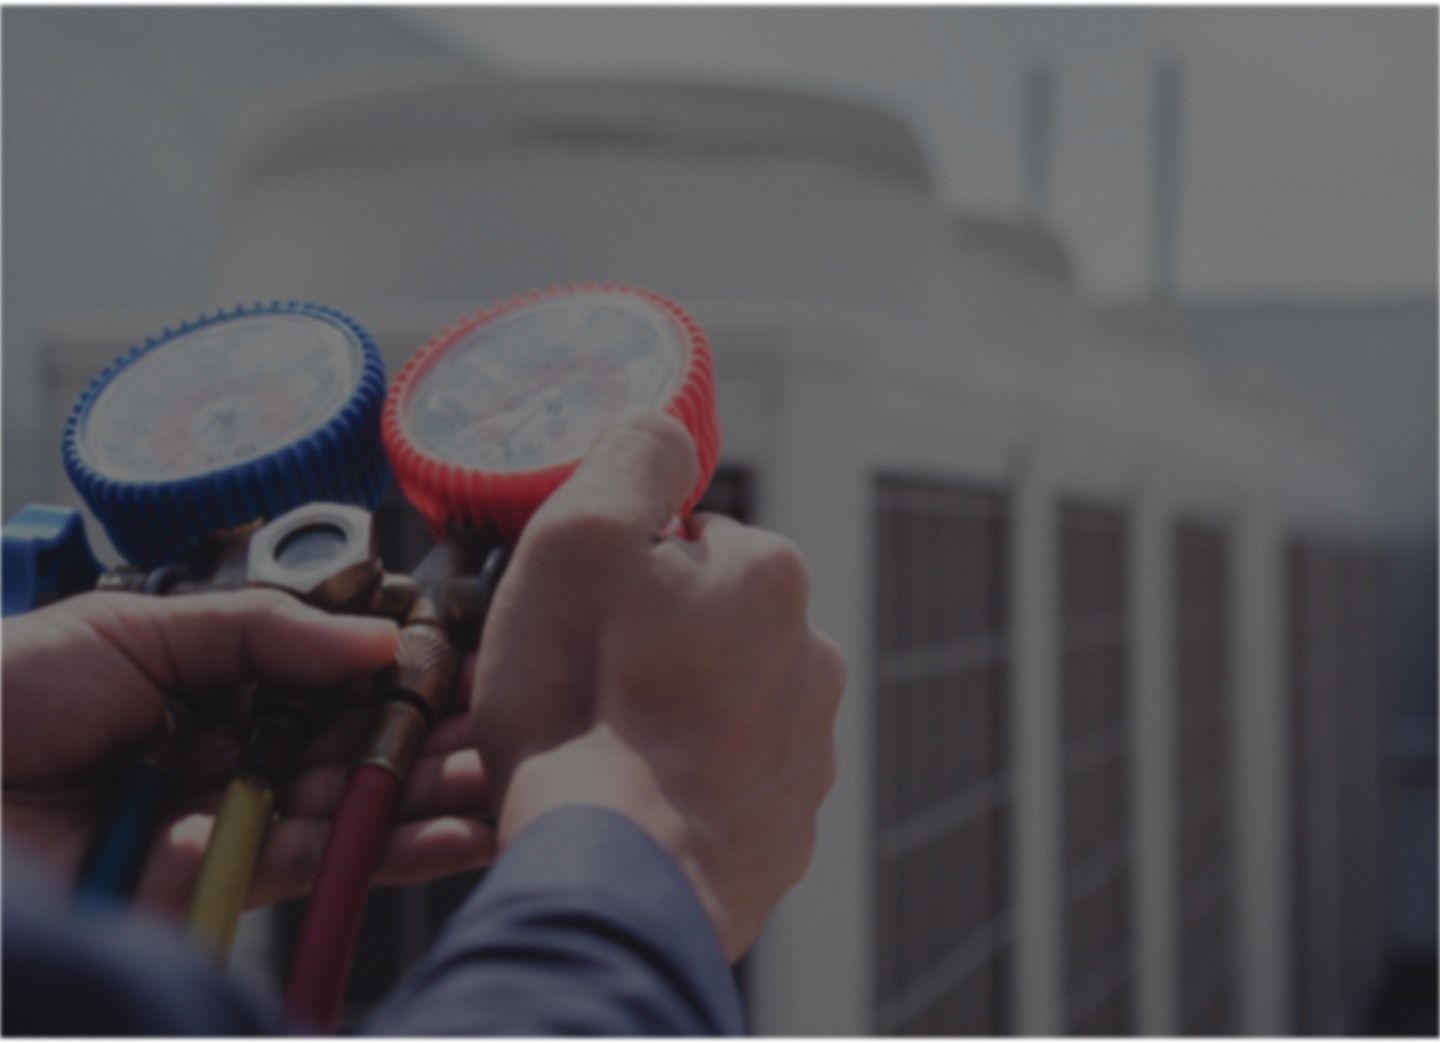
1037 996
1037 137
812 972
1153 777
1165 179
1262 774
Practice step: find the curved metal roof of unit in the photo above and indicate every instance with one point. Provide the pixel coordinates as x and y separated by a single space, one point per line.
468 115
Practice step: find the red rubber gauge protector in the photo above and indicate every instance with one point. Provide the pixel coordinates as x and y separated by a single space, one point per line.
490 417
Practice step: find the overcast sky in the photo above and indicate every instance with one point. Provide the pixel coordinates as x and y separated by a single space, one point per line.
1309 155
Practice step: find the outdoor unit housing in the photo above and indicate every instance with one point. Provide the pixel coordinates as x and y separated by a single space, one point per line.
1082 786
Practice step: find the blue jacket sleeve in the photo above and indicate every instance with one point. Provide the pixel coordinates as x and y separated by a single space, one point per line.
584 926
105 972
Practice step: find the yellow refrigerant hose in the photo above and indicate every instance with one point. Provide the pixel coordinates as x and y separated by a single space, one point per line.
229 864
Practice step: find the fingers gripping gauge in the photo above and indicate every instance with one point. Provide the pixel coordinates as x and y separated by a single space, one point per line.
490 417
231 418
481 426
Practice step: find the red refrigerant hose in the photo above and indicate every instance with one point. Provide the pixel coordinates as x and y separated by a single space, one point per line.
413 691
332 919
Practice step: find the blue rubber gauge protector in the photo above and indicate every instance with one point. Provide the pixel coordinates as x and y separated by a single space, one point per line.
46 557
232 418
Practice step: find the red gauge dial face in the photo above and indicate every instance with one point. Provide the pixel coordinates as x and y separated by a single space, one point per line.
220 395
533 387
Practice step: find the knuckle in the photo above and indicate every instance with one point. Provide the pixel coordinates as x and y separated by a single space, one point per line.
833 672
779 574
808 838
266 609
261 607
260 601
829 770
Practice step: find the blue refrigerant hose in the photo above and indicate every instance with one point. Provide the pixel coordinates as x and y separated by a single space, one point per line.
117 853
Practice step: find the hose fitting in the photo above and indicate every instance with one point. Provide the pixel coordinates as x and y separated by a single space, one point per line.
412 692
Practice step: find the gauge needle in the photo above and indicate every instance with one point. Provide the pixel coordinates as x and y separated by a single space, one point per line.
221 418
529 416
517 428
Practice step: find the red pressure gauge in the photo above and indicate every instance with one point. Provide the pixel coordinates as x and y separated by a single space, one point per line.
490 417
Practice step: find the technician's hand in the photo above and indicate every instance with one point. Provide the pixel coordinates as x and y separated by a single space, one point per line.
675 681
86 680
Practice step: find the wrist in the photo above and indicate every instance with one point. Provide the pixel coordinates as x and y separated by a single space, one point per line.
598 769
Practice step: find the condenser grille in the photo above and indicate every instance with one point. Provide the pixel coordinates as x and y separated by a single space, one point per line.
1336 820
942 775
1362 913
1204 800
1098 877
1315 677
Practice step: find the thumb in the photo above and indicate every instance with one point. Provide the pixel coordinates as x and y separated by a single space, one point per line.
201 641
638 473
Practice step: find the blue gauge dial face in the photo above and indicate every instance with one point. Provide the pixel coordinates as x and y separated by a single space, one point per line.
220 395
533 387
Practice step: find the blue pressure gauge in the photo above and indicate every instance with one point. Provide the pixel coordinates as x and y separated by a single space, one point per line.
229 419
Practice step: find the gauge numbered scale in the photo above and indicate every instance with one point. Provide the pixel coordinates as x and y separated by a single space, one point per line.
233 418
490 417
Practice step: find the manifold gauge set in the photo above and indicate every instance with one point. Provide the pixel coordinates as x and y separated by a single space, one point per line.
249 448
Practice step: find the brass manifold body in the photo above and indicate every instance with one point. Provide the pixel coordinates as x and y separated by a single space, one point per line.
440 610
